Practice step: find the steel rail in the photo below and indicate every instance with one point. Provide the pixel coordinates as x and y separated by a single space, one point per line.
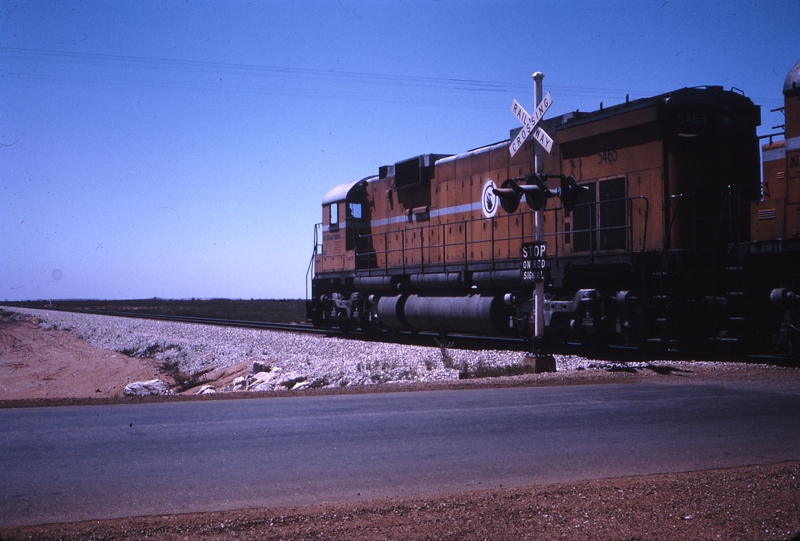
450 341
430 339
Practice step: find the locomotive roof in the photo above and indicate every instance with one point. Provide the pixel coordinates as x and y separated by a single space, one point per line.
473 151
697 94
340 192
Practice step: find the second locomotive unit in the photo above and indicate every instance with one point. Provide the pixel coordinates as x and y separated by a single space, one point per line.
646 237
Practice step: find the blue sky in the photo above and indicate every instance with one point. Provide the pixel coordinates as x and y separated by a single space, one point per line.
180 149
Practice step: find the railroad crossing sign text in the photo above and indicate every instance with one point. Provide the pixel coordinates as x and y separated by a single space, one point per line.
529 123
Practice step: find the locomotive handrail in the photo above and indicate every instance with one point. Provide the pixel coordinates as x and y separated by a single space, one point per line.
310 272
676 204
317 238
628 227
428 239
674 215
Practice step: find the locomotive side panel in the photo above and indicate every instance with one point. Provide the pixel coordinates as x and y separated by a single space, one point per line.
768 216
619 159
453 195
380 200
471 237
412 246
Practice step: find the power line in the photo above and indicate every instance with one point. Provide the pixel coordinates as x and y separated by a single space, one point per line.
278 80
265 72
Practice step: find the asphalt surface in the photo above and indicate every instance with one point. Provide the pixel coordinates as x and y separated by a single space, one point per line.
93 462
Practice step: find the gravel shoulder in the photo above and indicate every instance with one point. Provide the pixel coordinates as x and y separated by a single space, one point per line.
750 503
53 358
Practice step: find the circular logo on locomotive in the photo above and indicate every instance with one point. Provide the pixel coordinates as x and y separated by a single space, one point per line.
489 200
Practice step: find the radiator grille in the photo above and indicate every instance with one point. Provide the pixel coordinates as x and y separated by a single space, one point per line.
767 214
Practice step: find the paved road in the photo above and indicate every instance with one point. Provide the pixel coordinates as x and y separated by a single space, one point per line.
76 463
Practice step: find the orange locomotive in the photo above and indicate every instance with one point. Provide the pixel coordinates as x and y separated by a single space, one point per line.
646 237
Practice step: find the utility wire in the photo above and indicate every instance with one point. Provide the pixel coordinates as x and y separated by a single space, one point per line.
282 73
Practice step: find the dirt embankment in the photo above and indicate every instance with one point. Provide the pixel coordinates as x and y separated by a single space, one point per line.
41 364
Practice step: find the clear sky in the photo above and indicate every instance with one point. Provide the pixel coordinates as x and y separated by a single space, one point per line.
180 149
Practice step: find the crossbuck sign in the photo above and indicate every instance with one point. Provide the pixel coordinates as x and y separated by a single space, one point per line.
529 123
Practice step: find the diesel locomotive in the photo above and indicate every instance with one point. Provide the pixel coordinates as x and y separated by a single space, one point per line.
657 231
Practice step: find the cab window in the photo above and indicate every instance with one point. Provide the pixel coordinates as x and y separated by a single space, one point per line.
603 202
333 215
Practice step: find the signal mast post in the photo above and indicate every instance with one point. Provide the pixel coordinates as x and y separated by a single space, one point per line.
513 193
540 362
539 219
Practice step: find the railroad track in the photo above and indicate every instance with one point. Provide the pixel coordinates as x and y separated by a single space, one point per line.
454 341
304 328
451 341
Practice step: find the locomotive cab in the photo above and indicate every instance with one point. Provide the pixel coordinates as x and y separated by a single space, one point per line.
340 248
345 221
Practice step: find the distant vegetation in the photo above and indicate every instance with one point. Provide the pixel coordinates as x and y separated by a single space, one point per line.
276 311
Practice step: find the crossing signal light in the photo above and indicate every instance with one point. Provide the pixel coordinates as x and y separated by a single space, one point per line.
509 193
536 192
569 191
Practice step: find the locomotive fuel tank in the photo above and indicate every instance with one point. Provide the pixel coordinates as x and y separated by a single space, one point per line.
478 314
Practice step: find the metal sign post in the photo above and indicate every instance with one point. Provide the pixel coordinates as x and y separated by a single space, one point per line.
538 297
530 128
